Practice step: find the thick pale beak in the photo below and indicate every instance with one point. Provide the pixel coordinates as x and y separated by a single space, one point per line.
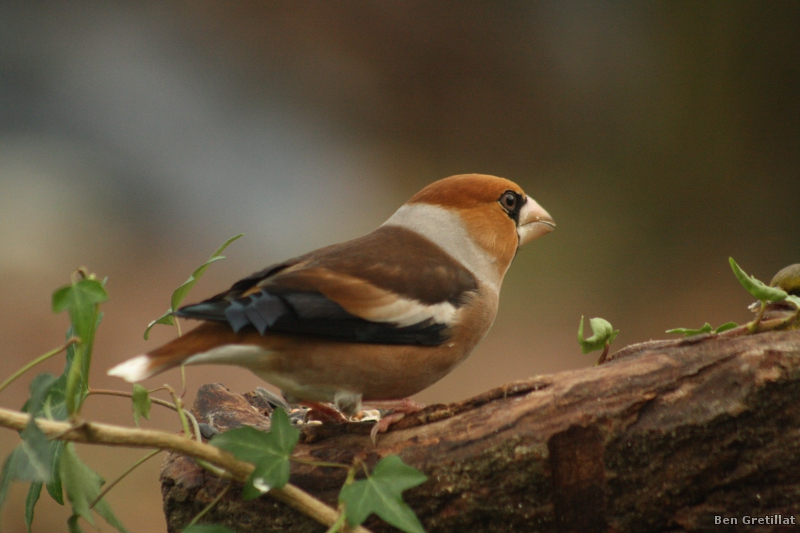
534 222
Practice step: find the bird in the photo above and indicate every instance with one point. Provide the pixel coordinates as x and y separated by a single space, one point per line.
373 320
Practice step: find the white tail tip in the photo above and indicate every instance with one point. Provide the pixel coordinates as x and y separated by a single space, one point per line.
133 370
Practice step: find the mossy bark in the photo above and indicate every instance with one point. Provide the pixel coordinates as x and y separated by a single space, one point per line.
666 436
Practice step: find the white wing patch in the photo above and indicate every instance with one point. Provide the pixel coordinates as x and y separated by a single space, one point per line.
245 355
364 300
405 312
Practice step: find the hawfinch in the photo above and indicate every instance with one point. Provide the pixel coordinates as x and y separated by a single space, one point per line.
373 319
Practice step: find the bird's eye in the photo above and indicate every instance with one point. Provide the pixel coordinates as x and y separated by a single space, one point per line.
508 200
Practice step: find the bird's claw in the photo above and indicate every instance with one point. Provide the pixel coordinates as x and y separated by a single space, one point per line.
383 424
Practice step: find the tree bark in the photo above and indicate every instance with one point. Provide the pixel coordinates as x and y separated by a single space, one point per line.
666 436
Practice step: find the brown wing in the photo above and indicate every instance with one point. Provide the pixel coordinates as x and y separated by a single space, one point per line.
370 290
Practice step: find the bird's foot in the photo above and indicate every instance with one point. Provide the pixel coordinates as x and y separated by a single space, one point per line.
399 409
324 413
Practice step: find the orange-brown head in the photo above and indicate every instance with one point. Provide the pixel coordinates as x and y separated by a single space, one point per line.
494 212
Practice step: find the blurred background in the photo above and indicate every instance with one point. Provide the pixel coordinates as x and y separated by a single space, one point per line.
135 137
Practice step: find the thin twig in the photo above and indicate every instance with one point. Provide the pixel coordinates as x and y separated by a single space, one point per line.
108 392
133 467
108 434
210 506
197 435
40 359
339 522
604 355
753 326
181 412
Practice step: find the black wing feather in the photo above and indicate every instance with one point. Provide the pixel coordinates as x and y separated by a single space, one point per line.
280 309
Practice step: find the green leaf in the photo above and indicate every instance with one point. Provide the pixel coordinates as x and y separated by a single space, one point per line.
206 528
40 388
6 476
181 292
57 405
141 403
166 319
34 491
36 453
687 332
794 300
25 462
726 326
267 475
381 493
755 287
53 406
82 485
269 452
54 488
81 300
72 524
603 334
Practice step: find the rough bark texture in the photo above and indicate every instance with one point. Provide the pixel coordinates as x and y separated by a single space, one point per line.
663 437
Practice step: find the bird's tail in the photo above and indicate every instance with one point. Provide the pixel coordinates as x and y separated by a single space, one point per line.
206 336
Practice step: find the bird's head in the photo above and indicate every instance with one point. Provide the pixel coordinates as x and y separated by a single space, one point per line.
495 213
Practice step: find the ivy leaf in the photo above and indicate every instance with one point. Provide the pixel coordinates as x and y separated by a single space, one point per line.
206 528
726 326
6 475
794 300
72 524
755 287
40 389
82 300
14 468
166 319
141 403
54 407
688 332
34 491
82 485
54 404
29 461
54 487
35 459
381 493
604 334
269 452
180 293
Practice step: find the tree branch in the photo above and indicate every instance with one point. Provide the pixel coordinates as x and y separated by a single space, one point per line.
107 434
665 436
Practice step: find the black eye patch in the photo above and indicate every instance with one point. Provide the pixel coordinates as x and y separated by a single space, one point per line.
512 203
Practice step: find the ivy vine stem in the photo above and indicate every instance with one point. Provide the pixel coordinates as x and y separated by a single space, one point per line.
181 413
122 476
210 506
40 359
109 434
123 394
753 326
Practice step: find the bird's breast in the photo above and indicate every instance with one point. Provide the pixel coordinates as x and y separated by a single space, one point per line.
316 369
